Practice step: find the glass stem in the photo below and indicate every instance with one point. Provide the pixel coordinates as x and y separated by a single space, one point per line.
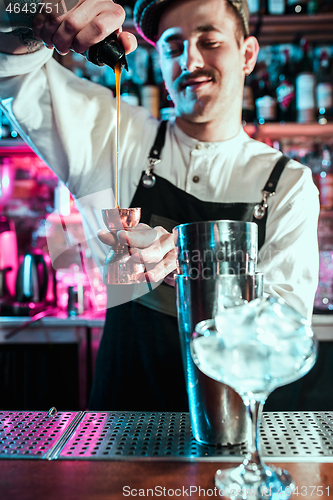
254 410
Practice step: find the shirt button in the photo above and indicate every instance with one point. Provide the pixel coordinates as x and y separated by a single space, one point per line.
198 146
196 179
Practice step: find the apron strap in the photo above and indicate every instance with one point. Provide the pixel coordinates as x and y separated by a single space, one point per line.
154 157
155 152
260 210
270 187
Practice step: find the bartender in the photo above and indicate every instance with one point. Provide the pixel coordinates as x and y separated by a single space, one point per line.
209 167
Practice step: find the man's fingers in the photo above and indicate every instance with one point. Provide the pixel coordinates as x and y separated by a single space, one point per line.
156 251
87 23
129 41
142 236
106 237
163 268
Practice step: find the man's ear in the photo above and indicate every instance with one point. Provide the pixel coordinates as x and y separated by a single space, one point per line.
250 52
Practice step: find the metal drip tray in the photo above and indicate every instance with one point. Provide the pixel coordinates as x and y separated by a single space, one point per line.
168 436
119 436
34 434
285 437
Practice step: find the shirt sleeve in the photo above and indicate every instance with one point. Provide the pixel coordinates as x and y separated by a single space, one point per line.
66 120
289 257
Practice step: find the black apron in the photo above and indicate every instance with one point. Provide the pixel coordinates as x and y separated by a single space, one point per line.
139 363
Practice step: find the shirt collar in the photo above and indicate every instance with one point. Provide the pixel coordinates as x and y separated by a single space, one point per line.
229 145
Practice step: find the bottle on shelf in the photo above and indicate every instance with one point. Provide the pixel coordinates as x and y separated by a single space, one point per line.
297 6
313 7
257 7
305 88
285 91
248 107
325 179
265 100
167 107
324 90
130 91
262 7
150 93
276 7
7 131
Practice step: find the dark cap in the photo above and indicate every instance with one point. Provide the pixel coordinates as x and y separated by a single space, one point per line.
147 14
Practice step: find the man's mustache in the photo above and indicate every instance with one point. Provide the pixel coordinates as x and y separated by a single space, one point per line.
185 78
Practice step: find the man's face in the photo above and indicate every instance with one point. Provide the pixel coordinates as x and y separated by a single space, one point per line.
201 60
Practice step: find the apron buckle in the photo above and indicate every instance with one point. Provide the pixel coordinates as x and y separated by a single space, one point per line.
148 178
260 208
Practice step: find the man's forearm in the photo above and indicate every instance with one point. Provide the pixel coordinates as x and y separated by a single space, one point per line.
16 20
19 41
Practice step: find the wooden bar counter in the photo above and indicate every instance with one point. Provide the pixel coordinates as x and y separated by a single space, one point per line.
89 480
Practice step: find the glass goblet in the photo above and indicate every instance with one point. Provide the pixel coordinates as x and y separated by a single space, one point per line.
269 345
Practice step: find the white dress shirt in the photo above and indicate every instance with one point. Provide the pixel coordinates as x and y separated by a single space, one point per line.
70 122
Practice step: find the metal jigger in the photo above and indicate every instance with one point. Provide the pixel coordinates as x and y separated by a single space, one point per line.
119 267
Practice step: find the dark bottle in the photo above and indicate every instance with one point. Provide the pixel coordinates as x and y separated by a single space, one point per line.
167 107
324 90
130 91
248 107
325 179
313 7
257 7
285 92
305 88
296 6
265 100
263 7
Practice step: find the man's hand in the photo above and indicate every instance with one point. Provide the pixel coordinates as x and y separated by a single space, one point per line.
61 24
152 246
80 25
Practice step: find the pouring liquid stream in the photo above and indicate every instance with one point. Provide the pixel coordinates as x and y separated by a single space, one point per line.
117 71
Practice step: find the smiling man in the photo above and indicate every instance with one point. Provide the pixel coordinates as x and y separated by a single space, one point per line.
204 56
209 169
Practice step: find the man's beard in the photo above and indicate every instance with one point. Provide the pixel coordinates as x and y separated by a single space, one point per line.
198 110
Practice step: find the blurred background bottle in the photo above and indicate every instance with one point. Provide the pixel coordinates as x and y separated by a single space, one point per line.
150 93
253 6
325 178
324 90
276 7
285 91
305 87
265 100
248 107
130 91
296 6
167 108
312 7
